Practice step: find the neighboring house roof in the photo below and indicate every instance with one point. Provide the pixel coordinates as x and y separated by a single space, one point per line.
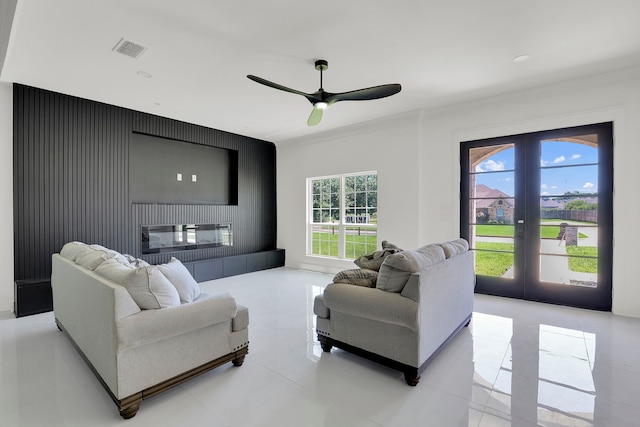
556 203
487 196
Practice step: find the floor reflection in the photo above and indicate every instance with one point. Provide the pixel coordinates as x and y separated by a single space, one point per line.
545 376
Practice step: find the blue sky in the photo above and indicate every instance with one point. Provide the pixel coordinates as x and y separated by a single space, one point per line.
554 181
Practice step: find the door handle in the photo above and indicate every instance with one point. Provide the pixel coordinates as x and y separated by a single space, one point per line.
520 229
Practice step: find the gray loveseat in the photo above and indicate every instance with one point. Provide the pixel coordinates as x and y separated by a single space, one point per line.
137 353
422 299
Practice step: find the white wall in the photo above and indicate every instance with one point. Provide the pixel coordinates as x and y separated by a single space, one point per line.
431 139
6 196
388 147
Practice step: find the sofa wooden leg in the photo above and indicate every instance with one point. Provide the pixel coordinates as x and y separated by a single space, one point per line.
326 347
411 377
131 410
238 361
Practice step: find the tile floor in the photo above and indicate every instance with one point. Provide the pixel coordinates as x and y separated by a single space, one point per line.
518 364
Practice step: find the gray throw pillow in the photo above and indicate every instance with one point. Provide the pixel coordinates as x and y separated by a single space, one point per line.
390 247
373 260
398 268
357 276
454 247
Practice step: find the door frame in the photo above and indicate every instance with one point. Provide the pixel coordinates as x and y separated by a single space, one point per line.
525 284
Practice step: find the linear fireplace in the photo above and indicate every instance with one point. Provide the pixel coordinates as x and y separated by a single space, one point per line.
181 237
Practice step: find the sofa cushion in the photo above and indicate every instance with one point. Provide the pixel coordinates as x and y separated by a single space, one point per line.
148 287
454 247
397 268
359 277
181 279
372 304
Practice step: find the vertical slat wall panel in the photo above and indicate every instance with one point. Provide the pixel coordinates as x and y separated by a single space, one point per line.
71 169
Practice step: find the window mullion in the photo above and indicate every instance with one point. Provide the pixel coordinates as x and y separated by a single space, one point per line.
341 228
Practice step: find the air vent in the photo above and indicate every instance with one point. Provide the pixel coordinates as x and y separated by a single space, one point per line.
128 48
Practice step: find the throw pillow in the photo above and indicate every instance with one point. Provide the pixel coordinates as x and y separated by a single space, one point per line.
359 277
147 285
390 247
372 260
71 250
91 258
130 258
111 253
398 268
454 247
179 276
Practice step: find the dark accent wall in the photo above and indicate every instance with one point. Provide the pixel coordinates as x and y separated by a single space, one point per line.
71 182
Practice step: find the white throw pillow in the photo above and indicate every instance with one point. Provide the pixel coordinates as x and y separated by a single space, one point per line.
115 271
111 253
147 285
179 276
91 259
71 250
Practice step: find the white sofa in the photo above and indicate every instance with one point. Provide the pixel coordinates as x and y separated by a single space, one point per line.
138 353
421 300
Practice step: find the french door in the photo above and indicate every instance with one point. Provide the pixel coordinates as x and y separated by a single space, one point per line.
537 211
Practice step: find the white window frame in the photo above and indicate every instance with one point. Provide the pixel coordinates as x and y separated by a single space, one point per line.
341 225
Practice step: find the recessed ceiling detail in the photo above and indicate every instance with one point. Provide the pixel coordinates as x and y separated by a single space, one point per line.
128 48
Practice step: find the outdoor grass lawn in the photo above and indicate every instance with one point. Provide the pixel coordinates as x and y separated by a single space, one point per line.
493 263
583 265
327 244
546 232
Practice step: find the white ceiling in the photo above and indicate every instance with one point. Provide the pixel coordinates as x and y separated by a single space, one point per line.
199 53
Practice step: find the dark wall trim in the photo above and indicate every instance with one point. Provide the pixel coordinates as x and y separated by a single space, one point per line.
71 182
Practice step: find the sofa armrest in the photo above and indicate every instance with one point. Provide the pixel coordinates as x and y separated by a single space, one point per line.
372 303
150 326
319 307
241 319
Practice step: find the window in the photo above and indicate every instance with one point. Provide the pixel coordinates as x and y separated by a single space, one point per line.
343 215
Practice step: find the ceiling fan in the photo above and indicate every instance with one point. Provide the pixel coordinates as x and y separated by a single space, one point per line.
322 99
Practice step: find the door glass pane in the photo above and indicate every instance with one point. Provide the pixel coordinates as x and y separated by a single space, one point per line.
491 209
569 211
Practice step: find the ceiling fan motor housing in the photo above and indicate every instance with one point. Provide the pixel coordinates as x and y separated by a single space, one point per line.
321 65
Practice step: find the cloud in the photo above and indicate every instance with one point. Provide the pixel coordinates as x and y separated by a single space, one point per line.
576 156
544 193
553 187
588 185
544 162
490 165
559 159
544 187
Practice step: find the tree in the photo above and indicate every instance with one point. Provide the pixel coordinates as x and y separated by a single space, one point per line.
579 204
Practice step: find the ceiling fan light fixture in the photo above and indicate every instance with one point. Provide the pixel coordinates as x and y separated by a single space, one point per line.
321 105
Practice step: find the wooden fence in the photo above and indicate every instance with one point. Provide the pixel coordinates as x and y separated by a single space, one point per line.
571 214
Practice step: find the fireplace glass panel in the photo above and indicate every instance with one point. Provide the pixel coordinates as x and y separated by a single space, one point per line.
181 237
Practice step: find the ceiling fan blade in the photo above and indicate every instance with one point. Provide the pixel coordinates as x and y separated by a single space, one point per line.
366 94
315 117
277 86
